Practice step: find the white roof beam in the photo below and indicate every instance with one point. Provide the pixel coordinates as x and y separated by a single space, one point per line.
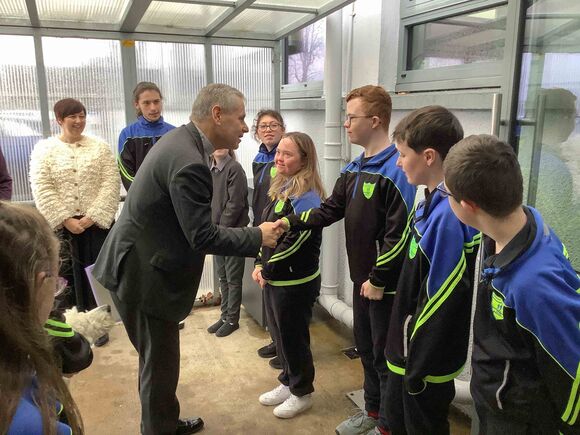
33 13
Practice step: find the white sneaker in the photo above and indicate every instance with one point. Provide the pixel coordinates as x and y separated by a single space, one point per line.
276 396
360 423
293 406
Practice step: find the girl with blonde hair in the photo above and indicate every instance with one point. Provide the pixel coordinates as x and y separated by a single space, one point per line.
290 274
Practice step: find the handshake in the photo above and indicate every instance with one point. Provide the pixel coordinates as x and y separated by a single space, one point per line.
271 232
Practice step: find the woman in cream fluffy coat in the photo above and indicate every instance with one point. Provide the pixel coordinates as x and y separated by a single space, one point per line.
75 184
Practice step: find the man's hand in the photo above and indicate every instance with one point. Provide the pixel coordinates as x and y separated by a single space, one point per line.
73 225
86 222
371 292
282 224
271 232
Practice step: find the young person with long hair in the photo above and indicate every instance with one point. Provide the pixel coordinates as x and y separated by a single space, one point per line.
268 130
33 396
290 274
137 139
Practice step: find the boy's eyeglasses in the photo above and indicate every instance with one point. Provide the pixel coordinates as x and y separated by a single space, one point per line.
348 118
443 191
272 126
61 283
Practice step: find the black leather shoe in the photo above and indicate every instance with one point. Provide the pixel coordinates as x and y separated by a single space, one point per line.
189 425
268 351
217 325
275 363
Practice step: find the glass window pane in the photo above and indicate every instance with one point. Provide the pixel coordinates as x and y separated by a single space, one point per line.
463 39
90 71
86 11
13 9
182 15
178 70
305 54
260 21
250 70
20 122
548 125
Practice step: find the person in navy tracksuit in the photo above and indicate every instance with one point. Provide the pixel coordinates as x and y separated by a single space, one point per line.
290 274
137 139
429 330
375 200
526 336
268 130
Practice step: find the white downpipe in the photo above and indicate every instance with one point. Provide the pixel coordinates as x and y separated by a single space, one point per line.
332 162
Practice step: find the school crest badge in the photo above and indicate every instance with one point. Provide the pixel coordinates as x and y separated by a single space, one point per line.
497 306
413 248
368 190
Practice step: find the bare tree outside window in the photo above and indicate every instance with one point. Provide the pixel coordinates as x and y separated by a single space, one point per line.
305 54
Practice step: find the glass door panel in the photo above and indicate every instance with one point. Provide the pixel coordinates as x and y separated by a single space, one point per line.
547 127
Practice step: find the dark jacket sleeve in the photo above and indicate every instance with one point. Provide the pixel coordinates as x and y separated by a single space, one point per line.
385 272
190 190
72 350
126 160
5 180
439 331
330 211
237 197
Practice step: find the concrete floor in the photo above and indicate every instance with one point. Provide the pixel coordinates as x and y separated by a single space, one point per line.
221 379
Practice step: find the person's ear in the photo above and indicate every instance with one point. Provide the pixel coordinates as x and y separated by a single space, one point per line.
430 156
60 121
469 206
216 114
376 122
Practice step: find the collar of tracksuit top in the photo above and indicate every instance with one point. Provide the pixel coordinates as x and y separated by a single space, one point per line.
377 161
145 123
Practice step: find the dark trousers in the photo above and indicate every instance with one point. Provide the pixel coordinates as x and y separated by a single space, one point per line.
496 423
157 343
79 251
419 414
290 309
230 271
371 324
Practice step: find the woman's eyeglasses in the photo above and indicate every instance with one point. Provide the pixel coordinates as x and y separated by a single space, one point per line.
443 191
272 126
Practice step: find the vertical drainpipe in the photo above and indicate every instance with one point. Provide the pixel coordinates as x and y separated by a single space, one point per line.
332 162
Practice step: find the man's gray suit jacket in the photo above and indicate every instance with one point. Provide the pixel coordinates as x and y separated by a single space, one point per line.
153 256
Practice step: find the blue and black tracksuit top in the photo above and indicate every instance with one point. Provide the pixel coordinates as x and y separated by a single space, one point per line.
263 169
430 321
526 350
27 419
135 141
375 199
295 259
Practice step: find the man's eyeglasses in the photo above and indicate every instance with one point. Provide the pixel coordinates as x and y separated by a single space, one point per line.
61 283
443 191
272 126
348 119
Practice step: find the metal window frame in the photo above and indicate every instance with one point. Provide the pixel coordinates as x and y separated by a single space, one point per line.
481 75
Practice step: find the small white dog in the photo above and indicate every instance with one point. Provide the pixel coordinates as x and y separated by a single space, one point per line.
90 324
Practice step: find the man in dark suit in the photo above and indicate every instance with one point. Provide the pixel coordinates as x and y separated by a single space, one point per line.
153 258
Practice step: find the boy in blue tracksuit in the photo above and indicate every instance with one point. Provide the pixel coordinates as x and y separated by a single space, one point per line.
526 338
137 139
429 329
375 200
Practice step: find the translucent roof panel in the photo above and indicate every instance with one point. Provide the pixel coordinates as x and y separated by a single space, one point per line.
300 3
13 9
260 21
86 11
182 15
